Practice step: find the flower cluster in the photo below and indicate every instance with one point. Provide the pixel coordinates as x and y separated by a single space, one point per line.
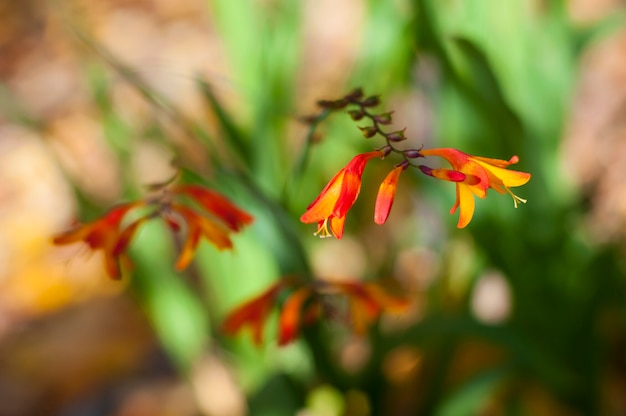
305 304
217 218
473 175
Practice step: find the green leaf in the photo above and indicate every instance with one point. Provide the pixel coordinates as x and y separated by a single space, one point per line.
472 396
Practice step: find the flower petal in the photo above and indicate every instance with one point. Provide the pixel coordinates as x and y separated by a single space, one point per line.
465 199
337 225
290 315
386 195
322 207
253 313
508 177
216 204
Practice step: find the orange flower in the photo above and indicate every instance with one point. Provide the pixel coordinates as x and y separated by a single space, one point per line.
199 226
103 234
367 301
291 312
253 313
387 194
473 176
217 205
333 203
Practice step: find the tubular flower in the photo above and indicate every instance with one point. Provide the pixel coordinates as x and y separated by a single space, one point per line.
387 194
103 234
304 305
253 313
473 176
367 301
216 205
333 203
106 234
199 226
291 312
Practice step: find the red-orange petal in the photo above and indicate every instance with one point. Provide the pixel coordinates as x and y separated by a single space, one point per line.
291 314
322 207
386 195
124 238
216 204
252 313
198 226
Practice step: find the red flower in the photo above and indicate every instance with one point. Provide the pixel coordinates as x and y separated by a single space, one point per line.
367 301
103 234
387 194
333 203
291 312
216 205
253 313
106 234
473 176
199 226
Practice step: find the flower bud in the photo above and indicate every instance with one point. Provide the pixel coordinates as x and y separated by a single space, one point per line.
368 131
384 118
396 136
355 95
386 150
356 114
333 104
412 153
371 101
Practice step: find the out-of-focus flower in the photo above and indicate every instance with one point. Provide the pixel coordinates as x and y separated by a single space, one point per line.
216 205
387 194
367 301
253 314
103 234
333 203
473 176
199 226
218 218
298 310
305 305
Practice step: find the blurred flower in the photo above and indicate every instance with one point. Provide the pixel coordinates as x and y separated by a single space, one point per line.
103 234
298 310
333 203
473 176
303 306
387 194
367 301
253 313
106 234
216 205
199 226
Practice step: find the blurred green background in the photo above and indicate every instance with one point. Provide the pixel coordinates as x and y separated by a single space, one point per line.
523 312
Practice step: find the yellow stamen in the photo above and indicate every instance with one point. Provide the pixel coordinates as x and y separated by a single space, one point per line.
323 230
516 198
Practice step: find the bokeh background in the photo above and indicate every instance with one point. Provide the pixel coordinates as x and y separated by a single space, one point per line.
522 313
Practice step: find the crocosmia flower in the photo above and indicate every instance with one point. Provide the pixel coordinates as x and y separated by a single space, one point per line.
253 314
473 176
367 301
103 234
291 314
387 194
306 304
199 226
216 205
215 219
330 207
